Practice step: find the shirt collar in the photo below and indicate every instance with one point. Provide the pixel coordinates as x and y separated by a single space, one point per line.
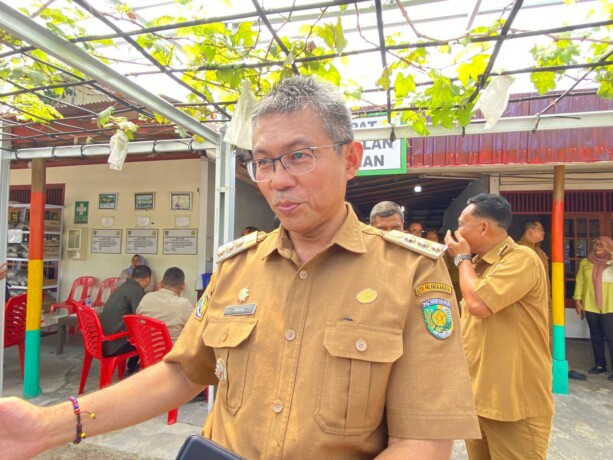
528 243
497 251
349 236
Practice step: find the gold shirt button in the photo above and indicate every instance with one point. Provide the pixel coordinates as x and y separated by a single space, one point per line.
277 406
303 274
290 335
224 336
361 345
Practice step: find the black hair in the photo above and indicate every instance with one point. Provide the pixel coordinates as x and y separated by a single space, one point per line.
492 207
173 277
141 272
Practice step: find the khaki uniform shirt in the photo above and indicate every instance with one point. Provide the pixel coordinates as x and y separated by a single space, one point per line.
168 307
543 258
508 352
335 356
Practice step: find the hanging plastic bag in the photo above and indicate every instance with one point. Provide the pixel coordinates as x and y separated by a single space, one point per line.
493 102
119 150
239 131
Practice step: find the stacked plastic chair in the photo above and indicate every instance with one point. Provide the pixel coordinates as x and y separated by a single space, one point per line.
93 338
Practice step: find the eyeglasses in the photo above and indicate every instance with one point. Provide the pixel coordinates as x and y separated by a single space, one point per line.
298 162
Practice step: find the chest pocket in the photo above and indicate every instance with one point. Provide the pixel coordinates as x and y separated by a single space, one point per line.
353 383
230 338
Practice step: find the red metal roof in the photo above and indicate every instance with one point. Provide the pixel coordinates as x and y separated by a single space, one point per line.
582 145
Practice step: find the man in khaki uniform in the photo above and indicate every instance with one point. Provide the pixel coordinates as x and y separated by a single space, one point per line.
533 236
504 326
327 338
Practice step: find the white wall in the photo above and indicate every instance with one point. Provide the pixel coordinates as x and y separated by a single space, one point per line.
86 182
251 209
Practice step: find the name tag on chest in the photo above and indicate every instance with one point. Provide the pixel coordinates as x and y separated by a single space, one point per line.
240 310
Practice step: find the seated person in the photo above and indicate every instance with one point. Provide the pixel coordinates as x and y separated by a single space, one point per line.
137 260
167 305
124 301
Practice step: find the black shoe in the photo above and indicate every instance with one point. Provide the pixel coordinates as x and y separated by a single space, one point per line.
611 377
574 375
597 370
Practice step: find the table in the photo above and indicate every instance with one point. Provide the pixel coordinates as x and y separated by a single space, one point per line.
62 323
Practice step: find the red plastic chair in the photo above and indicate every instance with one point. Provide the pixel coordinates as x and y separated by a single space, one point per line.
85 283
109 285
93 338
151 339
15 324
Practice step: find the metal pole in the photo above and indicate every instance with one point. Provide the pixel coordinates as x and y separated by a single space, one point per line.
31 378
5 165
560 364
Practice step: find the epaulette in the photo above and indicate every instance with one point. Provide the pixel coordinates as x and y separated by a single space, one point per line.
421 245
239 245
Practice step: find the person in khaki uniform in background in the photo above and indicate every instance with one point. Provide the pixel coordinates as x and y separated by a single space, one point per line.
326 339
533 236
504 327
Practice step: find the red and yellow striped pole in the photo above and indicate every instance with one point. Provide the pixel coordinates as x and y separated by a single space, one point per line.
560 364
31 380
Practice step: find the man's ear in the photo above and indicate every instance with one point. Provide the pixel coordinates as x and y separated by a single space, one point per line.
355 151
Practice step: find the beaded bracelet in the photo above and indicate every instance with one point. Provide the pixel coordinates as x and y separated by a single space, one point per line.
75 407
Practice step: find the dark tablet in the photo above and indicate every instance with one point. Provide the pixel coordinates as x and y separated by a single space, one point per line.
197 448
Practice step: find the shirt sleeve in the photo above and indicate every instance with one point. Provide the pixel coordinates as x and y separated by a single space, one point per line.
509 280
429 393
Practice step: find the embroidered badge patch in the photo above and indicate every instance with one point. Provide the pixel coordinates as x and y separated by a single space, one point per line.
437 316
428 287
202 305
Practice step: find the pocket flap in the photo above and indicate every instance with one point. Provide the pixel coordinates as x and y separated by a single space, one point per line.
346 339
227 332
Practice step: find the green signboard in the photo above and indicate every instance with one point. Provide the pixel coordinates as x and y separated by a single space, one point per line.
81 212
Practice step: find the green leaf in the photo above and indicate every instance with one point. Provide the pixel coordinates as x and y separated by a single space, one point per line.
340 42
181 132
442 92
403 85
605 89
543 81
464 114
104 116
471 70
442 117
384 79
417 121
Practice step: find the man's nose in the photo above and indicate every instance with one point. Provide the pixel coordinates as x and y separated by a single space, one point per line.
280 177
